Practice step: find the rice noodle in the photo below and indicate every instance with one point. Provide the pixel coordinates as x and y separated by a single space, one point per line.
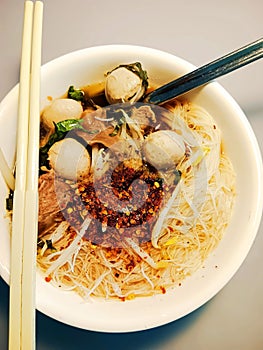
189 227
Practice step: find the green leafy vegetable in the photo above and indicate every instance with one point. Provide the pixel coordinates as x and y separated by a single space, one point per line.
76 94
81 96
69 124
117 127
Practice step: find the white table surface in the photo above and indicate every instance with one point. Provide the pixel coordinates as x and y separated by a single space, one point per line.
198 31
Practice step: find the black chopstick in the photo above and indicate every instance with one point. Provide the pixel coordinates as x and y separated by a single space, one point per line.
207 73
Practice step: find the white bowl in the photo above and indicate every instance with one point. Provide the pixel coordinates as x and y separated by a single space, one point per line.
89 65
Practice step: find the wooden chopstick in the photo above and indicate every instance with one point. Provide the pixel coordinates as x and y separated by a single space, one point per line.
20 183
25 208
31 200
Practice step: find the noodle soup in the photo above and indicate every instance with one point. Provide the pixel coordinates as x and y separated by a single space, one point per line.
64 302
133 197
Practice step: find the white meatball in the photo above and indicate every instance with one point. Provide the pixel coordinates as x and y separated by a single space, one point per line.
122 85
163 149
69 159
61 109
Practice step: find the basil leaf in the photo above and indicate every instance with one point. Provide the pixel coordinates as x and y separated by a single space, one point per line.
117 127
76 94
